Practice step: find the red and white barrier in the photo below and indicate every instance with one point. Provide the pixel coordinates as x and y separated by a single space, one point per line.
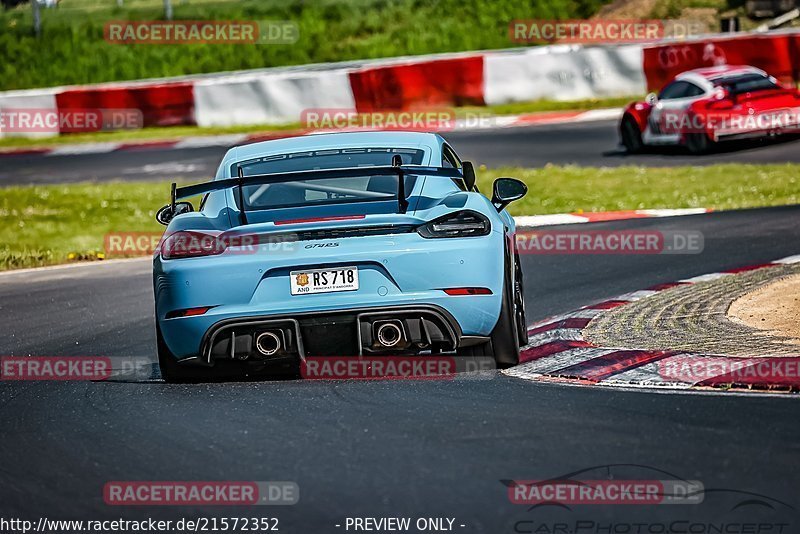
228 140
563 72
556 72
777 54
266 98
427 83
42 99
161 104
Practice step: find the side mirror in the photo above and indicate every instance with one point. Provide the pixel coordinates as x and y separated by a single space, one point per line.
651 99
507 190
469 174
166 214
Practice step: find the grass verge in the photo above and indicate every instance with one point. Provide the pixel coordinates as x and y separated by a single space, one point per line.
178 132
569 189
72 50
50 224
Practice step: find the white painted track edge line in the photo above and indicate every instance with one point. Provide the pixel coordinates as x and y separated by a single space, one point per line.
75 265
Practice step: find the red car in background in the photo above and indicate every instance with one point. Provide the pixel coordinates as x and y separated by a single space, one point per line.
701 107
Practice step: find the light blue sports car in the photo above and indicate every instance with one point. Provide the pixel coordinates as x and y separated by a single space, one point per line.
340 244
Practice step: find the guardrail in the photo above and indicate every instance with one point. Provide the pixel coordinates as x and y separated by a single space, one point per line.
553 72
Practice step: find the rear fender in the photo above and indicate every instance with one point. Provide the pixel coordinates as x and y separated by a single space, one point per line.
639 112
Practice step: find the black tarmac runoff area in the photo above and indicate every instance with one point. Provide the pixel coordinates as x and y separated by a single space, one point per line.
594 143
398 448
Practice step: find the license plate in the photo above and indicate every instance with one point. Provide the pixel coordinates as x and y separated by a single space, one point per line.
324 280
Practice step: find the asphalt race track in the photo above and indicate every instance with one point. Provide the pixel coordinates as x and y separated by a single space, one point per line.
391 448
589 143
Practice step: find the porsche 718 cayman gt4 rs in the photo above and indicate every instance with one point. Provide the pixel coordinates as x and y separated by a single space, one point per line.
335 245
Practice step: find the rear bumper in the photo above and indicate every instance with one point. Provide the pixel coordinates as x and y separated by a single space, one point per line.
335 333
753 134
395 272
651 139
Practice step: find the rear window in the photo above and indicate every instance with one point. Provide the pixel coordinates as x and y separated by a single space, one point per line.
680 89
326 191
746 83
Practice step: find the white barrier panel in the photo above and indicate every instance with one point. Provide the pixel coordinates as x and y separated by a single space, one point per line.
35 99
563 72
269 98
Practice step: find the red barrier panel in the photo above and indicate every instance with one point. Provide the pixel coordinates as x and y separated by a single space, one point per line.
441 82
794 53
770 53
161 105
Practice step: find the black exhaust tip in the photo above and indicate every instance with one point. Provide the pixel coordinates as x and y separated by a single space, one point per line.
268 343
388 333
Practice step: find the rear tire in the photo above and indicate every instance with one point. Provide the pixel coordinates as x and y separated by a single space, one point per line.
698 143
631 136
172 371
504 341
519 304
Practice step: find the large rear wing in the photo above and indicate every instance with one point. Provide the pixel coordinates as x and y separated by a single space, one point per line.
401 171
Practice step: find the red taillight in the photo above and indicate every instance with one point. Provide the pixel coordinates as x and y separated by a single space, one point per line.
468 291
192 244
188 312
465 223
